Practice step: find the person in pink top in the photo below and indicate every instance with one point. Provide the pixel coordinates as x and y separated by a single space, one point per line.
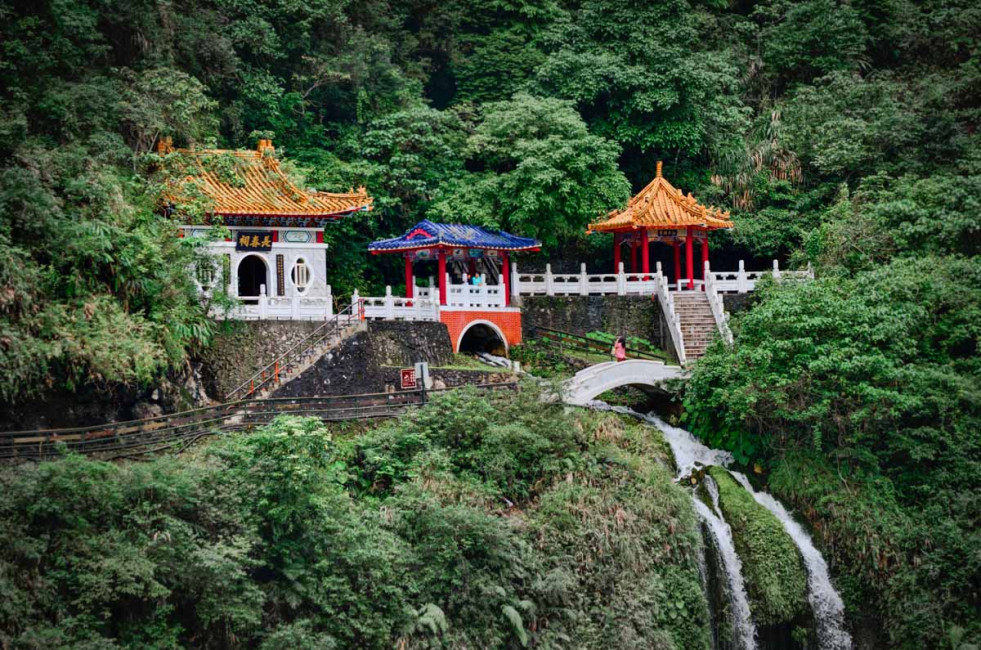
619 349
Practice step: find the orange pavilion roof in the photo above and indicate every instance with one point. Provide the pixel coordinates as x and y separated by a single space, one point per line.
661 205
250 183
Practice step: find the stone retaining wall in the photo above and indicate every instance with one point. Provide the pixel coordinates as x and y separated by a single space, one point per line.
241 348
638 316
369 362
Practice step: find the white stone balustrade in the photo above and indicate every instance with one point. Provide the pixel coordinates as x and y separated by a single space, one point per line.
637 284
666 300
295 306
390 307
718 306
475 296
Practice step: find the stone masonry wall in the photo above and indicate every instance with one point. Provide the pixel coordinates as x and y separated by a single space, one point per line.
369 361
243 347
629 315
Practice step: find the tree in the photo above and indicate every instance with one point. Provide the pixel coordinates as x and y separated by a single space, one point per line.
541 173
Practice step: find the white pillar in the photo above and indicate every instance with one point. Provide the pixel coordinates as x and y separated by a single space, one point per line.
621 281
776 270
355 304
742 286
389 303
583 280
515 283
549 291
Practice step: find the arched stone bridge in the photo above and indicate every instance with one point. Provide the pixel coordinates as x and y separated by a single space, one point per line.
593 381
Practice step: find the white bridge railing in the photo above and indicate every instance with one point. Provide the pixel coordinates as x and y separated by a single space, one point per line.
475 296
424 305
634 284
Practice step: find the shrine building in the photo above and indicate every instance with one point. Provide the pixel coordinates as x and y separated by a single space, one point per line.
471 292
662 213
275 259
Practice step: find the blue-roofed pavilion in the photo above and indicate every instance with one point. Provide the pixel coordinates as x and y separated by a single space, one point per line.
428 240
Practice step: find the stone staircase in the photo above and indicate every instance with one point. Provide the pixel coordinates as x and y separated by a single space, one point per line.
300 357
309 357
698 326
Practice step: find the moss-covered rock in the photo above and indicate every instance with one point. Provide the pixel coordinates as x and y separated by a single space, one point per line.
776 579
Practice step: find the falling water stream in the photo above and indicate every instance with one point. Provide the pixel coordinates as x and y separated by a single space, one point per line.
826 604
742 619
829 611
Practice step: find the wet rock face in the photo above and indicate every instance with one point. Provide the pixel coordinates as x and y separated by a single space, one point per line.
775 575
242 347
91 404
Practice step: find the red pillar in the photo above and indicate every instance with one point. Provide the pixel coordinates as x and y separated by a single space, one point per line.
442 275
409 281
506 277
690 258
616 252
677 263
645 254
705 256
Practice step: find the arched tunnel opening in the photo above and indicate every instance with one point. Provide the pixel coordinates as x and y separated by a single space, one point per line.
483 338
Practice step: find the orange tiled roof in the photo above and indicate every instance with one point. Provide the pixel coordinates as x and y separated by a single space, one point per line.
661 205
264 189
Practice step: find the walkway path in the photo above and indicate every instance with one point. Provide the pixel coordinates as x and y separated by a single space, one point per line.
593 381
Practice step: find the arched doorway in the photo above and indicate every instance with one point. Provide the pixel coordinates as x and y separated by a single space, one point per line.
483 336
251 276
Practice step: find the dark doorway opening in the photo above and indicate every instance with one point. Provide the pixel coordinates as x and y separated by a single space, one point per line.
483 338
251 276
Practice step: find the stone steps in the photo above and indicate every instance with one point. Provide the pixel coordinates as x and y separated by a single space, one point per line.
319 351
698 327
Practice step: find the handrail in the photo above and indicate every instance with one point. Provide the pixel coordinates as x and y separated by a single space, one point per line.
592 344
124 437
718 308
272 370
670 315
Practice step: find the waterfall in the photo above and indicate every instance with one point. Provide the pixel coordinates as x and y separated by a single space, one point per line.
825 602
689 453
742 619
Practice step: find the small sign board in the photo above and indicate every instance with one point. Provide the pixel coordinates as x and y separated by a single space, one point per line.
253 240
408 378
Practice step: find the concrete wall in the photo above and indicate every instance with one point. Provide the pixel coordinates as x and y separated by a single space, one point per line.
630 315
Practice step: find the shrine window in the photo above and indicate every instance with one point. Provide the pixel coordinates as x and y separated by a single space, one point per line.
301 275
205 275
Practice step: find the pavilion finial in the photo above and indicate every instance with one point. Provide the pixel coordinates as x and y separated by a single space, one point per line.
659 165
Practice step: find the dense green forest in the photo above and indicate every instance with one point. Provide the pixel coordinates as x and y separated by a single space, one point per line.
838 131
475 523
843 134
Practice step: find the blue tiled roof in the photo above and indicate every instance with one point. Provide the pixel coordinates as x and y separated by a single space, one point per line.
426 234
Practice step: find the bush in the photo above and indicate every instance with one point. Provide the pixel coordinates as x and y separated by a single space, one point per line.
481 520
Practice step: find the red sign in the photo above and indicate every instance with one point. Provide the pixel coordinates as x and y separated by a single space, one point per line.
408 378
